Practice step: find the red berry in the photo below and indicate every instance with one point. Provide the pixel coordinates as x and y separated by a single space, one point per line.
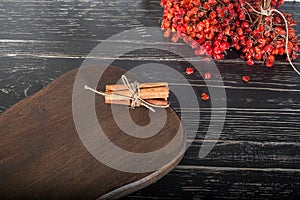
258 56
237 46
167 33
257 49
166 24
249 43
186 19
275 51
212 15
269 64
189 70
267 33
175 38
280 30
194 44
270 61
224 46
200 27
207 75
278 19
261 28
209 51
204 96
255 33
250 62
219 56
281 51
268 48
217 42
169 4
245 25
246 78
217 50
194 11
263 40
181 11
242 16
248 30
239 31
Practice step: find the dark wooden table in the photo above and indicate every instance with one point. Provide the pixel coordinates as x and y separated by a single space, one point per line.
258 152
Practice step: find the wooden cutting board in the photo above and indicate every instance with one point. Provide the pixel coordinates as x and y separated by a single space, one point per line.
42 156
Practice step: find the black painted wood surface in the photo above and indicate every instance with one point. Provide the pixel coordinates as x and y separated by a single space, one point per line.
258 153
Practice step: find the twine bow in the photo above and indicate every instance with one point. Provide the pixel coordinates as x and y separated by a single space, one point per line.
268 12
134 88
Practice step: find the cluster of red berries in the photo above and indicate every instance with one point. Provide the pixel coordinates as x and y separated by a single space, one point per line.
212 27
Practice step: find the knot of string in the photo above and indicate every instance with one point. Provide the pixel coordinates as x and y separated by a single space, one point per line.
134 88
268 12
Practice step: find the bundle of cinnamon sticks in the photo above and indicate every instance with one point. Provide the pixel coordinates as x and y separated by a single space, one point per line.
153 93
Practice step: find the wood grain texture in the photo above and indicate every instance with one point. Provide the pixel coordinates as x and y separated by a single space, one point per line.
257 155
42 156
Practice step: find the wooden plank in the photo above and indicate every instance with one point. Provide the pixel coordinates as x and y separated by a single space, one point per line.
43 157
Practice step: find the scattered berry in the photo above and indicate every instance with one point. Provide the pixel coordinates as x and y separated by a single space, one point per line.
204 96
246 79
189 70
207 75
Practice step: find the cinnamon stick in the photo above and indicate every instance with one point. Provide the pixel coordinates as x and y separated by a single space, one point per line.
145 93
158 102
121 102
141 85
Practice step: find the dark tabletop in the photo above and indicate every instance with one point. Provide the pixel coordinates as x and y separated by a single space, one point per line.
258 152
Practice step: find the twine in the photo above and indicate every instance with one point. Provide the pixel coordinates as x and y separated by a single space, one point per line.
268 12
134 88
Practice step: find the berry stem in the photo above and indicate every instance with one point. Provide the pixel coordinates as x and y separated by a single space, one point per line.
287 41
